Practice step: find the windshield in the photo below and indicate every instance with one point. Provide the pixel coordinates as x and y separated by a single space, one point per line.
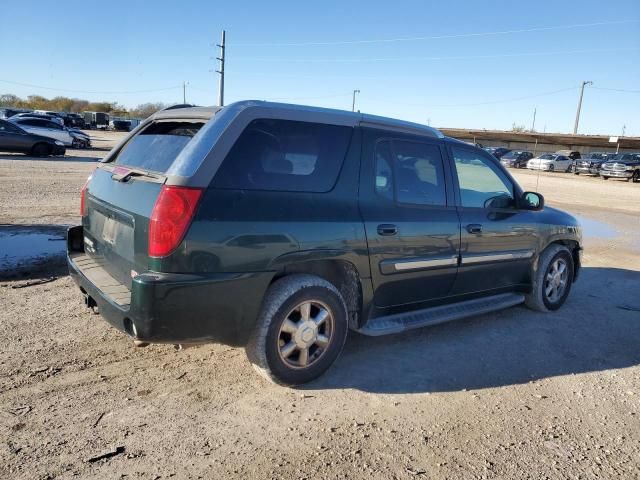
547 156
157 146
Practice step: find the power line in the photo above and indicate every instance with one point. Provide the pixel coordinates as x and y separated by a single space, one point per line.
616 90
491 102
437 37
89 91
439 58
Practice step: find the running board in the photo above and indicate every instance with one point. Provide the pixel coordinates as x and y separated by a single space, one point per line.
445 313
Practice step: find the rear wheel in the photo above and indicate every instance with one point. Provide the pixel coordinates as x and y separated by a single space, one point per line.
605 178
300 332
636 176
41 150
551 168
553 279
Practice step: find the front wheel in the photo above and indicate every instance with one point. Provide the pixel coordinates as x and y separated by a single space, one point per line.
605 178
300 332
552 280
551 168
636 176
41 150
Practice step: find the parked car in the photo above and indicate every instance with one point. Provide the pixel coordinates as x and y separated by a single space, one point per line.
53 116
15 139
96 120
623 165
349 221
516 158
497 152
80 139
551 162
573 155
45 128
6 113
41 116
591 163
120 125
73 120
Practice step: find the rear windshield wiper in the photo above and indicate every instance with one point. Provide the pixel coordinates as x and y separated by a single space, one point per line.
123 174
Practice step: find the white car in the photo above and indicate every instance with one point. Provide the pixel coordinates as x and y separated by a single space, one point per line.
551 162
45 128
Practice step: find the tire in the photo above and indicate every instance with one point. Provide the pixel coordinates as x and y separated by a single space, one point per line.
605 178
551 168
281 313
75 143
636 176
544 297
40 150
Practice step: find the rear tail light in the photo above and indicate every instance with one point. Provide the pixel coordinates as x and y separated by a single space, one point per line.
83 196
170 218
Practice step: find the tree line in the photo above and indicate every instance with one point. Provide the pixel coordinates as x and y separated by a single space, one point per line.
77 105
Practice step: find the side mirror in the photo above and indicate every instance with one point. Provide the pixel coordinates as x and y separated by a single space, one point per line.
532 201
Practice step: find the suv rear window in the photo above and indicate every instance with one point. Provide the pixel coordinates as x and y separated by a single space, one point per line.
157 146
285 155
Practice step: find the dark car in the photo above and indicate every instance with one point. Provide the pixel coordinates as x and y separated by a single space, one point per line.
622 165
121 125
281 227
592 162
15 139
497 152
516 158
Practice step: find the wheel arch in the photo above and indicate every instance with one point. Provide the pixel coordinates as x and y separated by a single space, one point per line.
342 274
575 249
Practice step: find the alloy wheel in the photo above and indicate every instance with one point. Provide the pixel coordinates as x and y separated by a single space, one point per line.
305 334
556 280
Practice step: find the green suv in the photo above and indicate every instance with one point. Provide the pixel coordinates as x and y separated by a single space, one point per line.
282 227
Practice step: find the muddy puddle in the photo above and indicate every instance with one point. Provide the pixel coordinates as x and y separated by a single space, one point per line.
30 249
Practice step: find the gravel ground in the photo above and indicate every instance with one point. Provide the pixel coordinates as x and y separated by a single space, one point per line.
516 394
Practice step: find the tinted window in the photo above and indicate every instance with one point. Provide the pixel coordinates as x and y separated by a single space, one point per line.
412 171
384 170
157 146
6 127
419 173
285 155
482 183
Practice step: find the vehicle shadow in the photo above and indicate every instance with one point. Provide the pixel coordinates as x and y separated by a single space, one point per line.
597 329
29 252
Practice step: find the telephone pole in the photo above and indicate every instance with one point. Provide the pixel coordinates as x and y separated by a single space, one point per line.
575 126
184 92
353 103
533 124
221 71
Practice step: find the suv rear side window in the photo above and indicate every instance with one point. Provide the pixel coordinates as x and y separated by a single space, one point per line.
285 155
157 146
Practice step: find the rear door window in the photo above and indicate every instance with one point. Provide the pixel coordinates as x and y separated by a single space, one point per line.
157 146
285 155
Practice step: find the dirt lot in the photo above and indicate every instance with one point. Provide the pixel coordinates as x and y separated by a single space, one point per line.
515 394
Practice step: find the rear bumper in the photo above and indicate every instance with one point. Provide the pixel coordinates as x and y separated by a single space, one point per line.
178 308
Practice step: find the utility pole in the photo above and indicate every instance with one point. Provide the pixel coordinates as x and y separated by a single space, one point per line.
184 92
221 71
575 127
533 124
353 103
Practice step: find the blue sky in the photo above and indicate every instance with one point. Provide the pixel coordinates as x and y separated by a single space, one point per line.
457 80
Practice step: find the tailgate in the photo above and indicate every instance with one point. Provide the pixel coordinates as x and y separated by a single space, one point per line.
117 223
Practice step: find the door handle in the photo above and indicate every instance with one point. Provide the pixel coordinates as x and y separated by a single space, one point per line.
474 228
387 229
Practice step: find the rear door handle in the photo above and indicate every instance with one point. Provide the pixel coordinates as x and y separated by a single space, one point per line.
474 228
387 229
